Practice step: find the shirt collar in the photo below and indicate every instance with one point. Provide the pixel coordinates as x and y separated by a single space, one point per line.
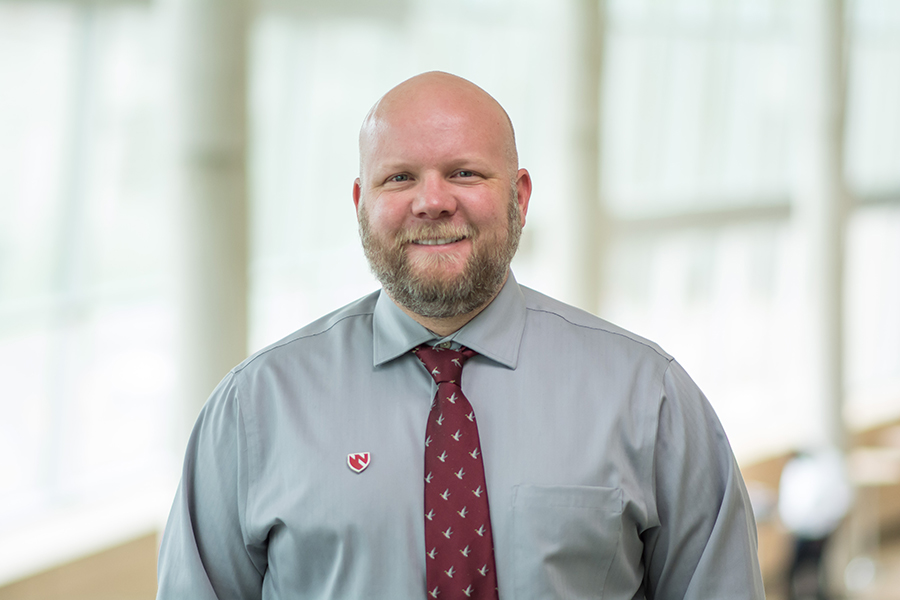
496 332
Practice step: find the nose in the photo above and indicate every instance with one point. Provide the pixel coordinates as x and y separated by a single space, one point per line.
434 198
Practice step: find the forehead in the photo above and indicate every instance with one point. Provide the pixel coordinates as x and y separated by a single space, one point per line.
435 135
434 125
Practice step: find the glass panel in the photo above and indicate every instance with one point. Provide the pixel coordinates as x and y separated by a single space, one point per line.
86 322
696 105
873 97
873 317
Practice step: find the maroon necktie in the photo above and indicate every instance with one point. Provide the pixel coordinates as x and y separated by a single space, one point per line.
459 546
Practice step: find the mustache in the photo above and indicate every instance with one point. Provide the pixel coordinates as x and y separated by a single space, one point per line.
437 231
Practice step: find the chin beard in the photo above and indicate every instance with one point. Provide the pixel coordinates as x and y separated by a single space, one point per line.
431 294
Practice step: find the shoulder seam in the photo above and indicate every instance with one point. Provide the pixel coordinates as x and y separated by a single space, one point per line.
275 346
604 330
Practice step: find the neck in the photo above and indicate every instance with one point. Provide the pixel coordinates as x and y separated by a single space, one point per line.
443 326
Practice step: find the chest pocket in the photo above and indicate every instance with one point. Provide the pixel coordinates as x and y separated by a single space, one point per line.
564 540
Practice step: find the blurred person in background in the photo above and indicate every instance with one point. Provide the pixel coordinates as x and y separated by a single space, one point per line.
814 495
357 459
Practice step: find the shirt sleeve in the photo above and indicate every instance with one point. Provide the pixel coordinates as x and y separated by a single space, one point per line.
706 543
205 552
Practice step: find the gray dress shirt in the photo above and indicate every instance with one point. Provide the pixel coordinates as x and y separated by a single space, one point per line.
608 473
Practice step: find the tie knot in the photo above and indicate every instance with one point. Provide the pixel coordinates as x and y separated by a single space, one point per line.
443 364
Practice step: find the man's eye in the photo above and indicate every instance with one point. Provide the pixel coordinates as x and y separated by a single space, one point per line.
399 178
466 174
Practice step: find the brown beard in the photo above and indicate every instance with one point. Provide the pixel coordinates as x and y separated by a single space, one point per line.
434 297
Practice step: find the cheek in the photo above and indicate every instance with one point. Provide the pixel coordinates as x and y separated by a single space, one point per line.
383 217
491 219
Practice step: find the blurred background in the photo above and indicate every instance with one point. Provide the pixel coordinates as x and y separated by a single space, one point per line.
720 176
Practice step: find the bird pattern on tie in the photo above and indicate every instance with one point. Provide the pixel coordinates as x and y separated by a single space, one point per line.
459 561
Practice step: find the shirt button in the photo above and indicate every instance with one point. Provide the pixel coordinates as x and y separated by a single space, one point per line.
444 345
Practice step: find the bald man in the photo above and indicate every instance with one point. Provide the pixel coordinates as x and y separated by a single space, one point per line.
307 474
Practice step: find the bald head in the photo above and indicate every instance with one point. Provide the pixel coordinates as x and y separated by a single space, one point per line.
441 102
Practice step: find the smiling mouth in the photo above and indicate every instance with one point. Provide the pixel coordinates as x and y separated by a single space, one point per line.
438 241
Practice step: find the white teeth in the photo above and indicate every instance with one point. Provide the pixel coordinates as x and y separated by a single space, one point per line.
438 242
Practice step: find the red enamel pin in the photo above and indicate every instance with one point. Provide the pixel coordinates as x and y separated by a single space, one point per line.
358 461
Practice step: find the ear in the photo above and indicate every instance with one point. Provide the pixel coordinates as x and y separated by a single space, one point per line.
523 192
357 193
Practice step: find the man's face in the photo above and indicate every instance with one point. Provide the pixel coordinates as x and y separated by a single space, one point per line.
441 282
440 204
